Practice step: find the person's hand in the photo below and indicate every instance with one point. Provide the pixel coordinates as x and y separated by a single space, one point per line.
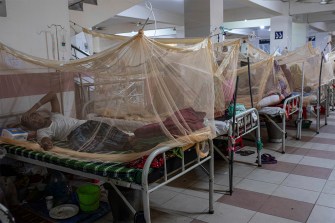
46 143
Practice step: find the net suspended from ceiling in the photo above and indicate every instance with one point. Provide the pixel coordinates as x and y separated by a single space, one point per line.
145 95
292 67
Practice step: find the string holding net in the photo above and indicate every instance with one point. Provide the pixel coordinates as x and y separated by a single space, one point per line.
148 93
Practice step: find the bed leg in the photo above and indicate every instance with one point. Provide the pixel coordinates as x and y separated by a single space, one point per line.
231 165
284 135
211 178
259 145
146 205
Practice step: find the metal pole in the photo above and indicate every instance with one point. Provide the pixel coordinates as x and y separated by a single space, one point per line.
250 90
231 152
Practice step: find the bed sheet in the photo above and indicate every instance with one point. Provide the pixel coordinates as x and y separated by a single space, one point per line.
222 127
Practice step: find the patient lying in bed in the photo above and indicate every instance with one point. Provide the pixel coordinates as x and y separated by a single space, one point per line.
82 135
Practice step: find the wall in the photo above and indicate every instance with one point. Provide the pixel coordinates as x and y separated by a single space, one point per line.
26 19
21 30
321 40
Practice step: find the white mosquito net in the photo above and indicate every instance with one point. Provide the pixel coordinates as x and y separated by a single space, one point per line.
138 96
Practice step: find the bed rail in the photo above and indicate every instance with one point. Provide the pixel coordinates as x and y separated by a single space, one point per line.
291 106
145 187
322 99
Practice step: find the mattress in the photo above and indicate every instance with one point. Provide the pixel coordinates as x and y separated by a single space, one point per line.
118 171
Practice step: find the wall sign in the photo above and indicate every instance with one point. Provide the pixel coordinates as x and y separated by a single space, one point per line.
311 38
279 34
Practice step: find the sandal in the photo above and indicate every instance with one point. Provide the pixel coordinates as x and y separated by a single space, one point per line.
268 159
245 152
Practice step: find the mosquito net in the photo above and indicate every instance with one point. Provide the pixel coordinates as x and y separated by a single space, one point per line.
226 54
306 59
137 96
255 54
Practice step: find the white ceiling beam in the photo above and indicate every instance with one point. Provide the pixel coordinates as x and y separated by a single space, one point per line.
303 8
331 28
278 7
94 14
247 24
141 12
245 13
324 17
319 26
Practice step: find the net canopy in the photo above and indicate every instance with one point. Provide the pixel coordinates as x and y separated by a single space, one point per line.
306 59
138 96
263 80
226 54
255 54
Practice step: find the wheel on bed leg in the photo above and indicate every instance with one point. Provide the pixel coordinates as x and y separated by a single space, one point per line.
211 212
139 217
283 152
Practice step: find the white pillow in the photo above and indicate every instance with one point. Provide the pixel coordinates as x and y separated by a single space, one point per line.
269 100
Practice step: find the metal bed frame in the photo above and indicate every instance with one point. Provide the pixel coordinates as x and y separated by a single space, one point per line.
145 187
293 107
237 130
325 100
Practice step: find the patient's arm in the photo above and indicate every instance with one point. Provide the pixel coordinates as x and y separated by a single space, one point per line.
49 97
46 143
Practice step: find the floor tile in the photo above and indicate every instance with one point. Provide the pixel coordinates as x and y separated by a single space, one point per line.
245 199
318 162
161 196
265 218
197 221
287 208
322 214
327 200
227 213
223 179
318 146
332 175
186 205
241 170
296 194
329 187
321 154
257 186
284 167
302 182
200 189
290 158
312 171
166 216
268 176
296 150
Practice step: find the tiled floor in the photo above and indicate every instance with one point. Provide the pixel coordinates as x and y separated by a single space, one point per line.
299 188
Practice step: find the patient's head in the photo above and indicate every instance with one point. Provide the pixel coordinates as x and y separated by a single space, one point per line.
34 121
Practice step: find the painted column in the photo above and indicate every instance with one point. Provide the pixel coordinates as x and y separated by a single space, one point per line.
202 17
281 33
299 35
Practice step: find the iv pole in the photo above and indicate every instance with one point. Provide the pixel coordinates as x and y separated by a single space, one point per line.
56 28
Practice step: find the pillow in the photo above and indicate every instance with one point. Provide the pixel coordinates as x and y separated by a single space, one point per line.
269 101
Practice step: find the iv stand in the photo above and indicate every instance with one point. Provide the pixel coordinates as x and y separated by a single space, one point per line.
56 28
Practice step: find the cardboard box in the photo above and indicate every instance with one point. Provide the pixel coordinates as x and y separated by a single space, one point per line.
15 133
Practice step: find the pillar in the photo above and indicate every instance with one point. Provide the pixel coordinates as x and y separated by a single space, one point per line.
202 17
299 34
281 33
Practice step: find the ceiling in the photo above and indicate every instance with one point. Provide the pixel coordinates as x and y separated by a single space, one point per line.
169 13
